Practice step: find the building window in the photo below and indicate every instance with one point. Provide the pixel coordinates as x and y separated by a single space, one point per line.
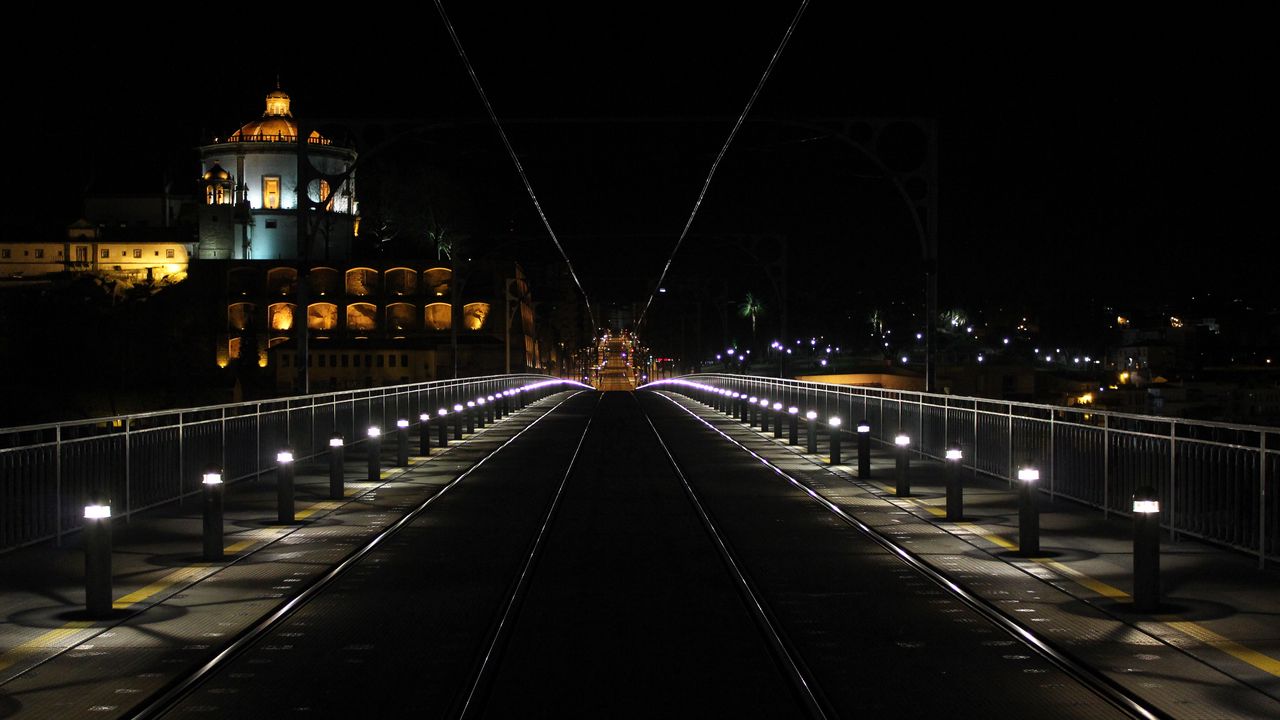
380 360
391 361
39 253
105 254
404 361
124 253
333 361
157 253
4 254
168 253
321 360
271 192
137 253
355 361
344 360
368 361
208 194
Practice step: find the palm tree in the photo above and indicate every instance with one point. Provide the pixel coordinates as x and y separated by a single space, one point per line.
751 307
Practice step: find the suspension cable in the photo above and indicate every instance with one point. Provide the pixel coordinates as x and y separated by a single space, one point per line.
732 133
493 116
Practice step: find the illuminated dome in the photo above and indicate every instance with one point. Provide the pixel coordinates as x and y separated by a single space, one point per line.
276 125
217 174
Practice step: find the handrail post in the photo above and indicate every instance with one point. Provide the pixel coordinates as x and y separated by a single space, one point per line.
57 488
1262 503
128 475
1173 483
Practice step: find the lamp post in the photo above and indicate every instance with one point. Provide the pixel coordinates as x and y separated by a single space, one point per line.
811 444
902 462
442 429
471 416
457 421
212 487
955 489
402 443
764 415
751 410
337 467
777 420
1146 550
480 412
834 424
284 486
864 449
374 450
1028 515
424 434
793 436
97 560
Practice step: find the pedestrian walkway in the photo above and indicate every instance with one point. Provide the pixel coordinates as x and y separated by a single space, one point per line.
1211 650
171 609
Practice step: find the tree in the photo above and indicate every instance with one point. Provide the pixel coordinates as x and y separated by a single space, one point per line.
751 307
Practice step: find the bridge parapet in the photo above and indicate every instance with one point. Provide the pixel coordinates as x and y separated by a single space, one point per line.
1218 481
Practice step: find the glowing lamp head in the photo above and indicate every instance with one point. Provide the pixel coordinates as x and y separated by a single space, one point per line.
471 403
335 441
777 406
480 400
1145 502
954 454
753 399
423 417
793 410
764 402
284 456
212 476
864 427
457 408
812 414
402 423
97 512
490 398
1028 474
834 422
442 412
374 431
902 440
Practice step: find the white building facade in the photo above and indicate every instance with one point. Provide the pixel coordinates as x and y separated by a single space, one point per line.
249 192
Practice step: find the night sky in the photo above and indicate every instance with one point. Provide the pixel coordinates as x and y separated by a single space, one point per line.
1082 154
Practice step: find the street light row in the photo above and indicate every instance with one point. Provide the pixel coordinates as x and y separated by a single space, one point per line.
98 581
1146 507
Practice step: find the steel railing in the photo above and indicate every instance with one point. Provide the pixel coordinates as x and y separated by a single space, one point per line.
1217 481
48 472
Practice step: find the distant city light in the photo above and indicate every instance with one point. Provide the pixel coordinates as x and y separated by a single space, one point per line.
662 290
823 362
1006 341
1048 358
980 358
905 358
919 336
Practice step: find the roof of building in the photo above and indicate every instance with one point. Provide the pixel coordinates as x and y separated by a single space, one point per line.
277 124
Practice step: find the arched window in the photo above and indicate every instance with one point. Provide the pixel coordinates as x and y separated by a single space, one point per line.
322 316
474 314
437 281
362 317
325 282
402 281
240 316
437 316
362 282
400 317
208 194
280 316
281 281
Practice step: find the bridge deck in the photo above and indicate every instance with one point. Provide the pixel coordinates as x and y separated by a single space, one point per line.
628 607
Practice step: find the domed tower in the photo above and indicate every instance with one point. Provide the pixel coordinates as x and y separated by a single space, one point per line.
256 215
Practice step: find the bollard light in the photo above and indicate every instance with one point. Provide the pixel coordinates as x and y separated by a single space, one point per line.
457 408
864 449
211 517
834 441
374 432
793 427
955 490
793 410
442 412
1028 514
1146 550
284 487
764 414
374 454
402 442
424 417
337 468
834 422
97 560
902 463
457 421
812 415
